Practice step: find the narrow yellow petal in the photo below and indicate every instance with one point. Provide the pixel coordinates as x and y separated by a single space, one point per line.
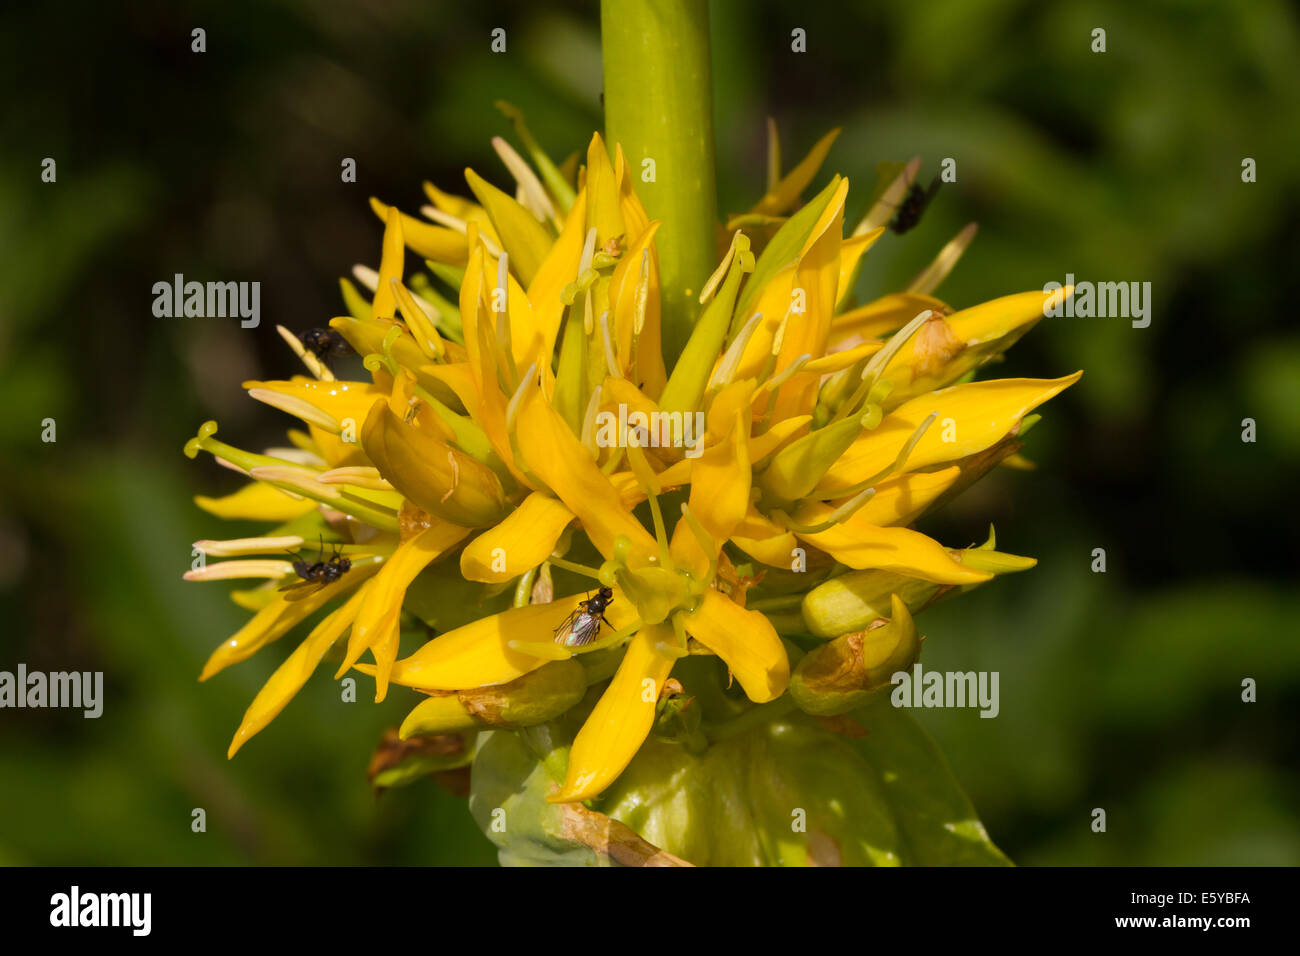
969 419
557 270
851 253
479 654
256 501
861 545
560 460
277 619
816 281
462 209
621 719
290 676
786 193
835 361
746 641
376 621
882 316
624 289
604 209
392 264
896 501
244 568
765 541
720 482
432 242
521 542
337 404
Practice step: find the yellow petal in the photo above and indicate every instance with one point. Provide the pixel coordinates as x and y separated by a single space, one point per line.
256 501
604 209
746 641
621 719
836 361
277 619
624 289
557 270
817 275
764 540
1000 317
851 253
786 193
461 208
392 263
377 618
886 314
861 545
489 402
340 403
560 460
969 419
527 338
479 654
290 676
777 437
896 501
635 219
720 482
521 542
432 242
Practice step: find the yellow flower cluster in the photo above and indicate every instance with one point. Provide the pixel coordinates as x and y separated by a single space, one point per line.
473 455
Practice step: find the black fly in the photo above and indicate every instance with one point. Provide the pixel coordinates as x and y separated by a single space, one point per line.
581 627
316 574
325 344
913 204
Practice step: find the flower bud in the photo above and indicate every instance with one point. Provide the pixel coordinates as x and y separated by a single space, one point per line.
438 477
536 697
839 676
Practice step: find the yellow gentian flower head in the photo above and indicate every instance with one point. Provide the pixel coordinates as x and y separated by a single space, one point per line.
520 449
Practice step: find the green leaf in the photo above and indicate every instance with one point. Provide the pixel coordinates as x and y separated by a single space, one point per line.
508 801
791 792
938 823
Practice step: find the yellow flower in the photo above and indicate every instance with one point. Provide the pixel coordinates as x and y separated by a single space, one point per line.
521 426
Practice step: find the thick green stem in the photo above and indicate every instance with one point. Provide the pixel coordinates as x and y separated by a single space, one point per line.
659 106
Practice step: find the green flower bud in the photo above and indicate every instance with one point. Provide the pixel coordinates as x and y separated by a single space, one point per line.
532 699
840 675
850 602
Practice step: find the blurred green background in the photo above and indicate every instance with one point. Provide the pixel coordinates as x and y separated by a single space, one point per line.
1118 690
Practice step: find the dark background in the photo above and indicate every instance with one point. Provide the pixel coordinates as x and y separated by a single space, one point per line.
1118 690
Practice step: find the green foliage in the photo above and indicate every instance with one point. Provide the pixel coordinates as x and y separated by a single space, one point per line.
787 793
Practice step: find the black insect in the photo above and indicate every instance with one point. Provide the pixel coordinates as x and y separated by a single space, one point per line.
581 627
325 344
913 204
315 574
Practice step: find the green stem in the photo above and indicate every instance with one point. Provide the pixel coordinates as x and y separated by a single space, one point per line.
659 105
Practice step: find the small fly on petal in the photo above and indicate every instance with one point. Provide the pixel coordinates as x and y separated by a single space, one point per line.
582 626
